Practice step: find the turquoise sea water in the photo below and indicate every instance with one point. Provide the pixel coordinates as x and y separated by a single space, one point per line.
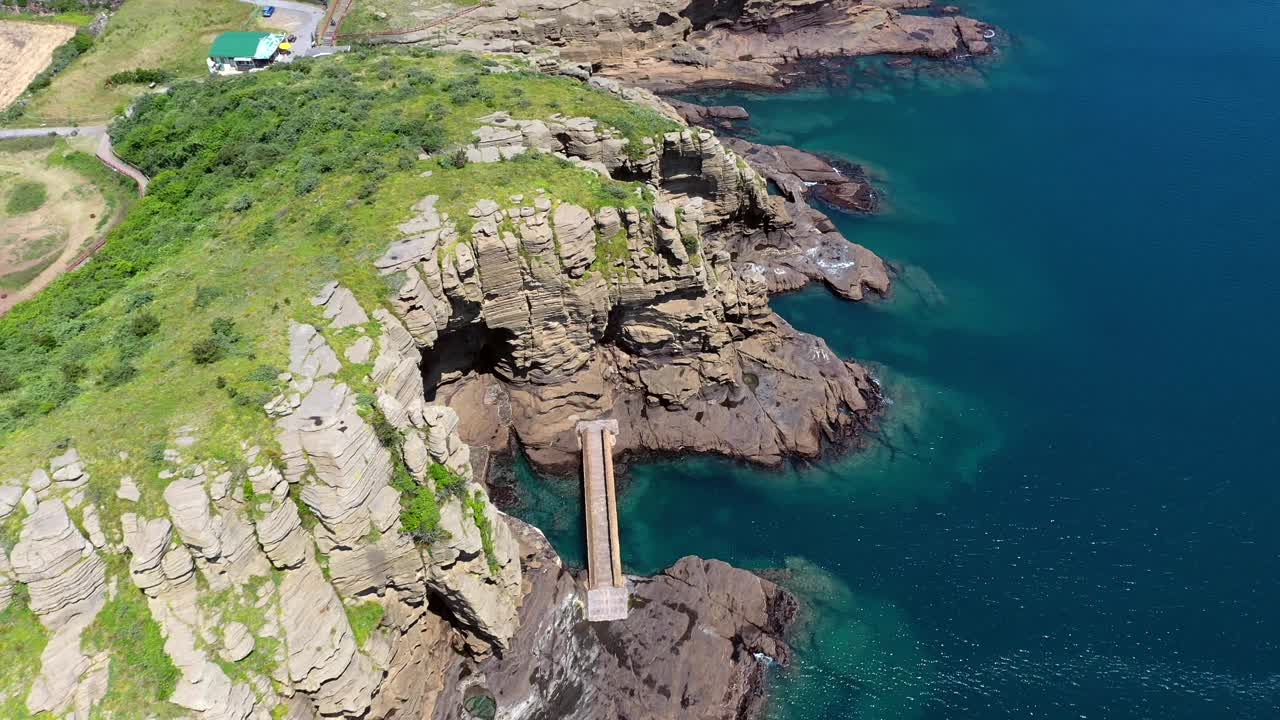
1071 510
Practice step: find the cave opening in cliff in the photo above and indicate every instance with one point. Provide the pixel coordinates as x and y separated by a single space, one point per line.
613 329
474 348
702 13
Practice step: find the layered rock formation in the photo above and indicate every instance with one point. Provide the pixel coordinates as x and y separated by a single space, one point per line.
532 313
231 572
673 45
797 174
653 312
66 582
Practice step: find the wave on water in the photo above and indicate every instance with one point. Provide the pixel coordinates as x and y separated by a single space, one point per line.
1065 680
881 687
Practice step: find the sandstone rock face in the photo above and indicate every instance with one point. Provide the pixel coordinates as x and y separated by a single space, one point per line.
693 646
6 581
677 44
66 581
548 313
345 474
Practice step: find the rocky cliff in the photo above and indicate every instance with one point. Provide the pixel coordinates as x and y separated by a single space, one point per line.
354 567
542 313
260 575
674 45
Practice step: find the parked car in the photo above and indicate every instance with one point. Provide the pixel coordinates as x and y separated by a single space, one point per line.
268 11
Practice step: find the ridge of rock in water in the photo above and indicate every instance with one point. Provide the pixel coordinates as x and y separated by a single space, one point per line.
675 45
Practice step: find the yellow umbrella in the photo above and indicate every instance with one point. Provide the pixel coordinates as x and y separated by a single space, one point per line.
286 46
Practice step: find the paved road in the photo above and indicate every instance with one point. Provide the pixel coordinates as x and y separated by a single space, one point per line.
63 131
310 18
109 158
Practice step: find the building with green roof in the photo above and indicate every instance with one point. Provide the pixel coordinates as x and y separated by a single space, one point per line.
237 52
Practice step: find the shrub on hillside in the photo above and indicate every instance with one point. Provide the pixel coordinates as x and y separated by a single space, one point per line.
143 324
241 202
205 296
140 76
456 159
220 342
137 300
118 374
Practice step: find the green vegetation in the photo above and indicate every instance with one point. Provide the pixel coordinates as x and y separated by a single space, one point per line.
364 618
170 35
264 187
419 512
242 609
142 676
22 639
37 249
67 17
449 484
66 53
610 254
26 196
357 123
476 505
526 173
140 76
28 143
41 252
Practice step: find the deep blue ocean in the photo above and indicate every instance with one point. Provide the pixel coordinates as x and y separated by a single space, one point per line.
1071 509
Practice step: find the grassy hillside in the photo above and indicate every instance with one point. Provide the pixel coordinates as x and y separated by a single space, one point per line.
263 188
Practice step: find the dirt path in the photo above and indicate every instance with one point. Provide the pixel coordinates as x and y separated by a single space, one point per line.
25 49
74 209
113 161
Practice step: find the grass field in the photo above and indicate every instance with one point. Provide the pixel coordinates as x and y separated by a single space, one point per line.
297 178
167 34
26 196
78 19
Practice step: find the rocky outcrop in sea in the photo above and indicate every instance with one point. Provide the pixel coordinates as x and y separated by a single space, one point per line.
670 334
677 45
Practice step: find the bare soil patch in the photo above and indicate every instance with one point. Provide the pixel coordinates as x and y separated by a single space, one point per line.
25 49
35 247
